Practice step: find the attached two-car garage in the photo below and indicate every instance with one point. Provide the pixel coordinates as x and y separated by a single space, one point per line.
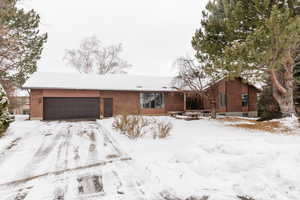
57 108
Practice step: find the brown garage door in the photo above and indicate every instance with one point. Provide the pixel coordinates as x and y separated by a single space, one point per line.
70 108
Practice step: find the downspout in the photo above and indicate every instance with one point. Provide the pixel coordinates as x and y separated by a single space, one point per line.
226 104
184 101
248 106
29 92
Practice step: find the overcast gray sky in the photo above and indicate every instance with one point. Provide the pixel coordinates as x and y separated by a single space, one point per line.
153 32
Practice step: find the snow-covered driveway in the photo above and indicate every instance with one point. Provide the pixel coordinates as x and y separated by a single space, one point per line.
63 160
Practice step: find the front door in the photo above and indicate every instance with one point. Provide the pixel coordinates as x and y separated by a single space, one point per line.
193 103
108 107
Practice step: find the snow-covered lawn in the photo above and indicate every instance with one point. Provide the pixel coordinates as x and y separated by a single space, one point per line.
208 158
201 160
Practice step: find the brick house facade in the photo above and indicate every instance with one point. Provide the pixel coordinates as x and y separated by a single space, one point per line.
49 100
234 92
124 102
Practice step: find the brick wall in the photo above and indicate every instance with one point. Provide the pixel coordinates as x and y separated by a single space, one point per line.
233 93
36 104
70 93
252 99
206 102
128 102
234 90
124 102
174 101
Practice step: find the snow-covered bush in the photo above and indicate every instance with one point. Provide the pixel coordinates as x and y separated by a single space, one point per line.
120 123
133 126
136 126
162 129
4 114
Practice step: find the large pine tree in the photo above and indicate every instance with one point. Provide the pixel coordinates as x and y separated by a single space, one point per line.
253 39
21 43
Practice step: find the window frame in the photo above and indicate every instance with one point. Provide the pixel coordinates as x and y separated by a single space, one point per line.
155 94
222 99
245 103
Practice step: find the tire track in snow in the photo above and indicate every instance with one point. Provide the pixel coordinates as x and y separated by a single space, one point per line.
126 183
19 193
57 144
59 194
63 150
93 154
43 151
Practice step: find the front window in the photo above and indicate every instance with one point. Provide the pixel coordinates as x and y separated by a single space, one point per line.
152 100
222 100
244 100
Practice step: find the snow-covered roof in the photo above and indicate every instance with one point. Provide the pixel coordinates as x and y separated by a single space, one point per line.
51 80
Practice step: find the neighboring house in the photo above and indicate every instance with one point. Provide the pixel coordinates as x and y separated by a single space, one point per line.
19 103
80 96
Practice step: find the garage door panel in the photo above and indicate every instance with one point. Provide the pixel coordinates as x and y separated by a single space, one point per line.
71 108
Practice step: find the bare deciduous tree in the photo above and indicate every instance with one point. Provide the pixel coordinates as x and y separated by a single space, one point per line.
192 77
92 57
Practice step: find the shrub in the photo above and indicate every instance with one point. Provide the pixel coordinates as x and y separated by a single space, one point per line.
137 126
132 126
4 114
120 123
268 108
162 129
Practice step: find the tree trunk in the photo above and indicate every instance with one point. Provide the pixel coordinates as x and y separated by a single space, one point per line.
285 102
287 107
283 90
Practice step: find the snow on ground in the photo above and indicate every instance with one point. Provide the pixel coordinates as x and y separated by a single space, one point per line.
290 122
62 160
208 158
54 145
201 158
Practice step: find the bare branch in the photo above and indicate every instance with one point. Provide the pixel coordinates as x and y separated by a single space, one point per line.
92 57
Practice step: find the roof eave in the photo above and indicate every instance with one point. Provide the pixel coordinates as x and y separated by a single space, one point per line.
107 89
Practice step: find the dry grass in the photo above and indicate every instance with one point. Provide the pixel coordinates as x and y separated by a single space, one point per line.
272 127
267 126
235 119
